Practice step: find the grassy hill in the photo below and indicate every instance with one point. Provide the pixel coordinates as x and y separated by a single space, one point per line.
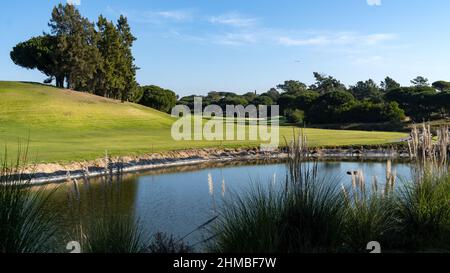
62 125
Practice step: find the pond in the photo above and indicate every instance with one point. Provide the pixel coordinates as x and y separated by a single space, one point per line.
178 200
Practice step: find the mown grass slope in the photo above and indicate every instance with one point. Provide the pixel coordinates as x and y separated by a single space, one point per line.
61 125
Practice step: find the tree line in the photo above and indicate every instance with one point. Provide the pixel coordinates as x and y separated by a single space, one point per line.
329 101
88 56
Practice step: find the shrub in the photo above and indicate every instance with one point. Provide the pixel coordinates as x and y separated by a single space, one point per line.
367 111
158 98
295 116
329 107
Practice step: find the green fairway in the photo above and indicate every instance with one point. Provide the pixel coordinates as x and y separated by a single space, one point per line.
63 126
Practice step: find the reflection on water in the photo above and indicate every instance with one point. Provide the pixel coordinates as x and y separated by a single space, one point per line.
178 200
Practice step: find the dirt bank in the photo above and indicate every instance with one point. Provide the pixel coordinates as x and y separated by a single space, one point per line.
48 173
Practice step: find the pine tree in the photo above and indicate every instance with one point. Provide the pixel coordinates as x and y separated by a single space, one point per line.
127 67
108 79
76 46
90 57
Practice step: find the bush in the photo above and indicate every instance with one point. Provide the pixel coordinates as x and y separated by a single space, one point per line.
329 107
158 98
262 100
369 112
295 116
418 102
356 111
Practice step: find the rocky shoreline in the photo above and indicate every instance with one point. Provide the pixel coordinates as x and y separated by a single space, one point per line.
54 173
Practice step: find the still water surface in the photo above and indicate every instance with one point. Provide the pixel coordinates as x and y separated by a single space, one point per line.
176 201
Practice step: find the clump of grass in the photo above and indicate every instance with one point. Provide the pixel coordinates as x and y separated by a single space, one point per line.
415 217
303 216
423 213
369 214
163 243
311 218
309 214
312 206
110 233
427 150
249 223
27 223
368 221
423 210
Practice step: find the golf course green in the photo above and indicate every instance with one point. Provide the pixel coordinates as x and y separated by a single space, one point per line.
59 125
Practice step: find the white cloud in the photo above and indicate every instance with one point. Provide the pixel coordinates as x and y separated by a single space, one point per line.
247 30
236 38
234 19
74 2
155 17
289 41
177 15
343 38
374 2
379 37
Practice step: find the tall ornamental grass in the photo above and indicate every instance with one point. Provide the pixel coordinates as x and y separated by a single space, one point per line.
423 213
27 223
310 214
305 215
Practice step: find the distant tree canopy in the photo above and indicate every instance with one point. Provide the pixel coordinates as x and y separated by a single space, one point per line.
366 90
389 84
158 98
420 81
273 94
329 101
293 87
442 85
38 53
94 57
325 102
326 84
419 102
262 100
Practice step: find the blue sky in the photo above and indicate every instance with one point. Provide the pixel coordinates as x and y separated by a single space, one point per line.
193 47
